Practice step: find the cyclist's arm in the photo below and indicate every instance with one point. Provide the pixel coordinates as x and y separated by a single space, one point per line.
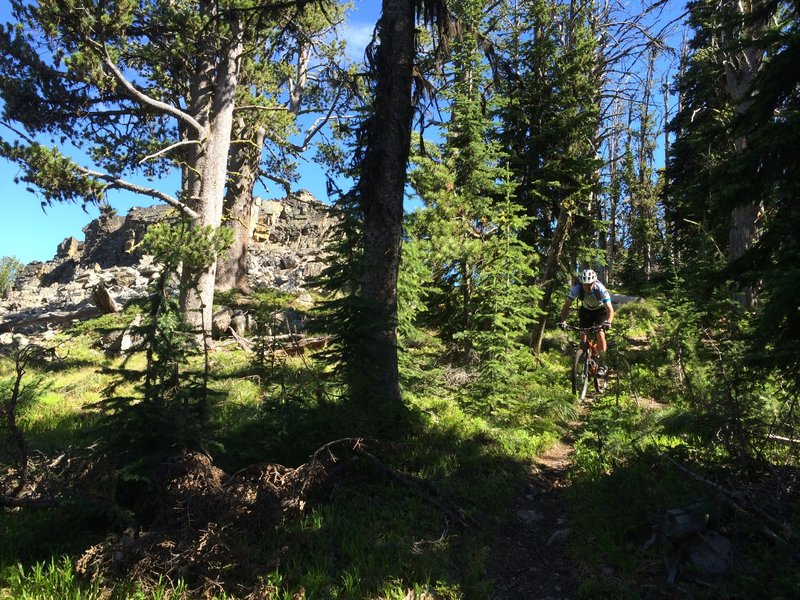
609 311
565 309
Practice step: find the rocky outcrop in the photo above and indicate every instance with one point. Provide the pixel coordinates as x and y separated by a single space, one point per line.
108 268
288 242
113 241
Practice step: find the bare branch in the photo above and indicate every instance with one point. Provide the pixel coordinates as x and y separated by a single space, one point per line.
168 148
115 182
282 181
257 107
25 502
140 96
319 124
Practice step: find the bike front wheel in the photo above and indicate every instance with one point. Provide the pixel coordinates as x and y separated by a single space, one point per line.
600 383
580 374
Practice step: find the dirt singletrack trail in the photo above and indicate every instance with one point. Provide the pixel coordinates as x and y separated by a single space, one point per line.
528 559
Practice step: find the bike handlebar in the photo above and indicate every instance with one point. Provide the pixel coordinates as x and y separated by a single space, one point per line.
592 329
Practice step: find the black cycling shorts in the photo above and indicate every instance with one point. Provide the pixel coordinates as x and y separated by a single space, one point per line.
587 317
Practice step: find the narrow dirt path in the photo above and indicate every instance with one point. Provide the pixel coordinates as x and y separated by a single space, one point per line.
528 560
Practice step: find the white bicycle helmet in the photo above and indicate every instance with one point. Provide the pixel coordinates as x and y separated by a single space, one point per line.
588 276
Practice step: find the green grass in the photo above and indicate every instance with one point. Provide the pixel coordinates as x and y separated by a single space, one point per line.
45 580
620 485
366 534
57 579
625 479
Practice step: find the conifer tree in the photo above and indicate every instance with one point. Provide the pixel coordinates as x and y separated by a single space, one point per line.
470 226
139 88
711 187
637 178
735 148
550 115
298 71
375 207
770 126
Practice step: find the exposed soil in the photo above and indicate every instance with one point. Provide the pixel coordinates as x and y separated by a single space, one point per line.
528 560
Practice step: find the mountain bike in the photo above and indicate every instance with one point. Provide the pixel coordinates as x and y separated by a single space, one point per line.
584 364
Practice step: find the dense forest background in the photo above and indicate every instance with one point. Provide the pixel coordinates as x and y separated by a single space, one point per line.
656 144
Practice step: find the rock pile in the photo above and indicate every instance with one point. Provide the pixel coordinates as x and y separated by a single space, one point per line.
288 242
108 269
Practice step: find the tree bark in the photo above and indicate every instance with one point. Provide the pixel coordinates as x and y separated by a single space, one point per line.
646 201
198 290
380 190
549 276
742 235
244 170
238 208
741 68
614 198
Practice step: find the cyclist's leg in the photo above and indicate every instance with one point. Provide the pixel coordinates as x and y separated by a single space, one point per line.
585 319
602 345
600 317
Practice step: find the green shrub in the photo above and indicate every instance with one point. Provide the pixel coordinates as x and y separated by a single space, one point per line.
10 266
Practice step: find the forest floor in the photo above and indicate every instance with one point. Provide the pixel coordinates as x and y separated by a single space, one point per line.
530 559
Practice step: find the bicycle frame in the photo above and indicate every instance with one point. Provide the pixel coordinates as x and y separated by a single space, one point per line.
584 365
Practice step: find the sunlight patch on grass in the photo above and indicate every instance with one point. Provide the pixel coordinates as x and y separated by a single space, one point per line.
368 535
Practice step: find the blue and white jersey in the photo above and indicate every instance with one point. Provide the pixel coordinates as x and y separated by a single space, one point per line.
593 299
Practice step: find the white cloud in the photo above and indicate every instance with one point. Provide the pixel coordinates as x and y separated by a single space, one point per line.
357 36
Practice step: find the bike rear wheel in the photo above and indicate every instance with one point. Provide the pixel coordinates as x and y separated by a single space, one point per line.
580 374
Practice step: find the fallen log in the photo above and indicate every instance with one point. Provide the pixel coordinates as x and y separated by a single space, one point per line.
12 324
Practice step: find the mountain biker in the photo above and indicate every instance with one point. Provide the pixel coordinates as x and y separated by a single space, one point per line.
595 309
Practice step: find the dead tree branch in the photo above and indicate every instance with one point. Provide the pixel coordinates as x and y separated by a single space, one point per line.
419 487
15 497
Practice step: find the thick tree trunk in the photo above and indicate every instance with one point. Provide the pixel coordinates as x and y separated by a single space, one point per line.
742 235
200 99
198 290
741 68
381 188
549 276
238 209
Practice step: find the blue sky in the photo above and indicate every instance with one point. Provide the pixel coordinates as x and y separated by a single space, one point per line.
29 232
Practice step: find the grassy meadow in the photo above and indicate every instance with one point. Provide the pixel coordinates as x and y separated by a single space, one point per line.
414 515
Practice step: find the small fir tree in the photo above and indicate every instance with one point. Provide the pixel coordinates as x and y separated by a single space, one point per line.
481 298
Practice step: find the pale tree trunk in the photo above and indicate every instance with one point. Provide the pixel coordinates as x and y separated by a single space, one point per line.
200 99
548 279
614 197
665 125
197 298
245 168
381 188
239 208
297 84
646 206
602 237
